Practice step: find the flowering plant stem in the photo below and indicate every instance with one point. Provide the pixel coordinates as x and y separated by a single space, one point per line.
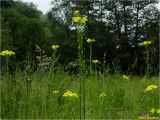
90 59
81 65
155 105
95 68
7 65
54 60
147 71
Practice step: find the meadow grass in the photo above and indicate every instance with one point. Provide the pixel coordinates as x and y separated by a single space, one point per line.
40 95
30 96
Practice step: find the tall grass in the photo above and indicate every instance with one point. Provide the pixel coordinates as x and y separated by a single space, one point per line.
40 95
30 96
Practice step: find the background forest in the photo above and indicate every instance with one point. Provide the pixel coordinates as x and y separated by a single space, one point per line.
117 26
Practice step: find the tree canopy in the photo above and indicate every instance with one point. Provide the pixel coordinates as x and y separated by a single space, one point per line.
117 26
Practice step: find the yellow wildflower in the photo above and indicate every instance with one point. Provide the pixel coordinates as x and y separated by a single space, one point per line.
95 61
125 77
7 53
153 110
76 19
158 111
55 92
84 20
76 12
145 43
102 94
150 87
80 20
89 40
55 47
70 94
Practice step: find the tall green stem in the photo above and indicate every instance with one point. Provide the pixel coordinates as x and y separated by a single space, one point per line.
95 66
90 58
7 65
147 63
81 65
54 60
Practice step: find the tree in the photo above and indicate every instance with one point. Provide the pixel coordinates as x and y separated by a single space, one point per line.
117 26
21 31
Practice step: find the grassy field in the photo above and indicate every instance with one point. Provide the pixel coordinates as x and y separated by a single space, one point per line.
40 96
85 94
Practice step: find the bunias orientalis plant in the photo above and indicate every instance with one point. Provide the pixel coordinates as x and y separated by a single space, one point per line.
54 58
90 41
71 100
102 102
147 56
95 62
155 112
80 22
152 91
7 54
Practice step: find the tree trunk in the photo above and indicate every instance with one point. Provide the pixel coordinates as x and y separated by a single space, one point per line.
137 17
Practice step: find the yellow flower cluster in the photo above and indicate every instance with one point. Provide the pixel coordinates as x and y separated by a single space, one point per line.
69 94
145 43
125 77
95 61
79 19
150 87
7 53
89 40
55 47
55 92
153 110
102 94
76 12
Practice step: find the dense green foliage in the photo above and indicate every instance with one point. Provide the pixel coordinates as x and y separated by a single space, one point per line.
117 27
32 96
50 71
22 27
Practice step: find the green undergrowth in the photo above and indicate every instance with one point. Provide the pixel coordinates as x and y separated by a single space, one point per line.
30 96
